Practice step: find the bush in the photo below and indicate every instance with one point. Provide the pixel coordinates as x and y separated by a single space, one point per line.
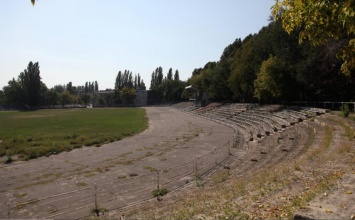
345 110
9 160
158 193
32 155
98 211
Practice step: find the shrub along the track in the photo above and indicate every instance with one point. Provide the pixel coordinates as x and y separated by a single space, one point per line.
44 132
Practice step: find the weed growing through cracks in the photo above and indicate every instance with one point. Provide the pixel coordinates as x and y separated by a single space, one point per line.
160 192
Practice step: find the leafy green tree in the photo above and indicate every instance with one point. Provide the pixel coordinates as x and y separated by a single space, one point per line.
172 90
213 79
85 97
230 50
30 81
26 91
14 94
69 88
245 60
244 66
268 85
65 98
58 88
116 97
43 94
52 97
320 21
128 95
318 73
105 100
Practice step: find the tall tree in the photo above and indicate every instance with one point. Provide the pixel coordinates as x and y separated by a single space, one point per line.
96 86
213 80
69 88
86 88
142 85
176 75
118 83
30 80
157 78
231 49
160 76
152 81
139 81
130 80
135 83
169 76
92 87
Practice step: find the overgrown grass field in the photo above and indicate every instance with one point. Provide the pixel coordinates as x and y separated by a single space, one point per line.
33 134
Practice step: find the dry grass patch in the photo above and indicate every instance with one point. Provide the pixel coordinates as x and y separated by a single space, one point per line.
20 195
349 131
151 169
121 177
81 184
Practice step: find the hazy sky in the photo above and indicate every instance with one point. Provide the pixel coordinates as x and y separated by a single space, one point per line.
88 40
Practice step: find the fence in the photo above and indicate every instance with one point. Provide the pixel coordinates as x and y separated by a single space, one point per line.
120 193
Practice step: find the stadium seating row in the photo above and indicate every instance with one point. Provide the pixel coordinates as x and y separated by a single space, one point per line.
254 122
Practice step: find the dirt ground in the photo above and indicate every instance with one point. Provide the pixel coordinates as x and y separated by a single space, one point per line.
173 137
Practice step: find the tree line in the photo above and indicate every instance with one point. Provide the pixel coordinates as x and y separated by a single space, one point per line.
166 89
272 67
29 92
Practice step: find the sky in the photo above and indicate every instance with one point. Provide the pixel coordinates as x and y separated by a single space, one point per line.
90 40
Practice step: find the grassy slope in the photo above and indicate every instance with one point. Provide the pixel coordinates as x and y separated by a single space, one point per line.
43 132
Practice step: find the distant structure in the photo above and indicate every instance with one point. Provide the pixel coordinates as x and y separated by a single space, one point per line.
142 97
200 98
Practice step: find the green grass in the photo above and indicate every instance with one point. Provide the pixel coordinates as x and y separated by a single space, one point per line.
44 132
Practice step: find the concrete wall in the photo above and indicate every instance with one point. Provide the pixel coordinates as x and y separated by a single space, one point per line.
141 99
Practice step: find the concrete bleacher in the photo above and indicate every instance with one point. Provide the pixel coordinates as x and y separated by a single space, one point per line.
183 105
207 108
252 121
316 111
